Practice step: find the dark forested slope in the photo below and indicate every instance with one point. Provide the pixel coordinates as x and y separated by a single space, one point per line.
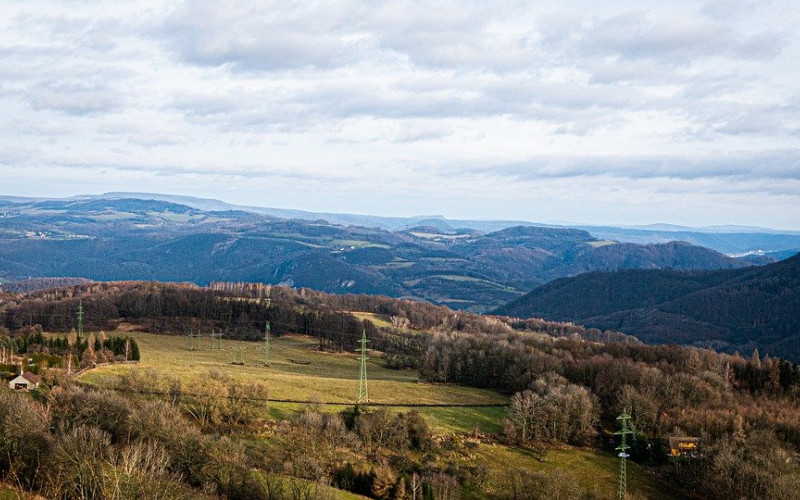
732 309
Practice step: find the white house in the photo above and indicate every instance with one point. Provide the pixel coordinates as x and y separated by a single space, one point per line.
25 381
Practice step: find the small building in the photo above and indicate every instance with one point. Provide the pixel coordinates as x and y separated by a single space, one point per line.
26 381
684 447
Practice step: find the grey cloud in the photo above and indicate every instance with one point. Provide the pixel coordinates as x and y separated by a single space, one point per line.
604 72
633 35
417 134
447 60
13 155
277 36
762 46
251 171
520 97
723 10
261 36
74 99
331 99
745 165
456 35
746 121
246 111
736 118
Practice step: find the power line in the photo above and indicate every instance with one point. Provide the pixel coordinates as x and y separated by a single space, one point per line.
299 401
314 332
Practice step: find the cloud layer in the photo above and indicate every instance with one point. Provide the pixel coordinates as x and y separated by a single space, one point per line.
603 113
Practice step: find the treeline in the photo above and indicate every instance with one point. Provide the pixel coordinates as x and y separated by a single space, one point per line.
39 352
241 311
37 284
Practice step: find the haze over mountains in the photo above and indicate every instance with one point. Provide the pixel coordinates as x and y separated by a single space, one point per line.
464 264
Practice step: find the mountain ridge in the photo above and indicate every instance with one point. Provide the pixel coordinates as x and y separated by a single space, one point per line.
728 239
738 309
132 238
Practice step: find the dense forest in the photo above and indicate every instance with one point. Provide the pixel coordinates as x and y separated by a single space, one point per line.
567 385
728 310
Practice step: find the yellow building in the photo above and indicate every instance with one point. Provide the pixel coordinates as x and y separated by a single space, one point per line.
683 447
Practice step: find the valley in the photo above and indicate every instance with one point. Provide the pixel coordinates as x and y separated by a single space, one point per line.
459 404
141 239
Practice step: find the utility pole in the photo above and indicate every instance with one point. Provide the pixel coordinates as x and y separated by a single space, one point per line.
216 339
80 319
363 393
622 450
194 340
237 355
266 344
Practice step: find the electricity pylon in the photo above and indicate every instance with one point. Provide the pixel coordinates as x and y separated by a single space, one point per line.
363 392
216 339
237 355
194 341
622 450
266 344
80 319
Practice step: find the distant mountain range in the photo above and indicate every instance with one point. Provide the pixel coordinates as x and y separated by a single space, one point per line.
730 240
738 309
476 266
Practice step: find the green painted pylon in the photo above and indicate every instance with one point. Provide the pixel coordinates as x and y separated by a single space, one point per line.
80 319
363 392
266 344
622 453
216 339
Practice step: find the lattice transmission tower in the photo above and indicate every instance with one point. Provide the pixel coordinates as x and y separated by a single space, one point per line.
216 339
622 453
266 344
237 355
80 319
194 340
363 392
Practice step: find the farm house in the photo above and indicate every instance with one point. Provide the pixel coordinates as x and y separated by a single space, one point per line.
26 381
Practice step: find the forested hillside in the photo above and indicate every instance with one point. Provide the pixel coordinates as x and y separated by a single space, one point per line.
729 310
135 239
566 386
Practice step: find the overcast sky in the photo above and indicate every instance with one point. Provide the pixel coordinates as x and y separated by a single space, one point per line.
599 112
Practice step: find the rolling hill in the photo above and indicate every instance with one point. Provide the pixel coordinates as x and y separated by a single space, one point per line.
740 309
770 244
138 239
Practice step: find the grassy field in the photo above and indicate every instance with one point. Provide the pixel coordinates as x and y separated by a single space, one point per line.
602 243
379 320
358 244
594 471
299 372
7 493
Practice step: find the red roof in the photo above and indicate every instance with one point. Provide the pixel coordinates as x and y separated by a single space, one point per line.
30 377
